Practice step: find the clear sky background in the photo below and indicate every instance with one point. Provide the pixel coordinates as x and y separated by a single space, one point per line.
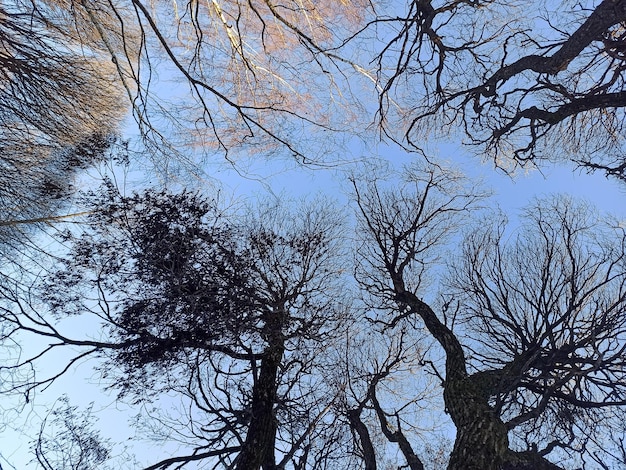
510 191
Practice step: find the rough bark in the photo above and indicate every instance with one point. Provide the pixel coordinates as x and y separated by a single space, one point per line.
258 448
481 440
478 425
482 437
528 461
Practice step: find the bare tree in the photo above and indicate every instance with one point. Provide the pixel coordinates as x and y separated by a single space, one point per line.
524 82
243 320
228 76
59 109
557 292
232 318
300 77
389 399
531 326
52 94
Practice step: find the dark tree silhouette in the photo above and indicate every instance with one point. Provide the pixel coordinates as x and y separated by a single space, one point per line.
301 77
243 319
532 325
524 82
233 318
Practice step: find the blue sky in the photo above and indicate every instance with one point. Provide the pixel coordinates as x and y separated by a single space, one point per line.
285 178
511 192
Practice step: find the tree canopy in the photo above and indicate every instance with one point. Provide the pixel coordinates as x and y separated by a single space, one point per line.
282 361
300 78
520 87
232 316
409 324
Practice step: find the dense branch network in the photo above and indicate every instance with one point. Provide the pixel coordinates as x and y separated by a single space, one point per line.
251 77
535 363
522 88
234 318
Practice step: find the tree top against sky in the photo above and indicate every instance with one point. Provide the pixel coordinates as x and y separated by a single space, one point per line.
520 82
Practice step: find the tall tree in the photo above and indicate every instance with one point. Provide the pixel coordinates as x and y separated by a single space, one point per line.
531 325
233 318
243 320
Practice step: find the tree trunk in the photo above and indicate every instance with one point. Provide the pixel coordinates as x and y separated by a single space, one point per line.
481 441
258 449
369 455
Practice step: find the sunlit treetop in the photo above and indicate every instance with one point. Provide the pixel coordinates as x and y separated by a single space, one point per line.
519 82
232 77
